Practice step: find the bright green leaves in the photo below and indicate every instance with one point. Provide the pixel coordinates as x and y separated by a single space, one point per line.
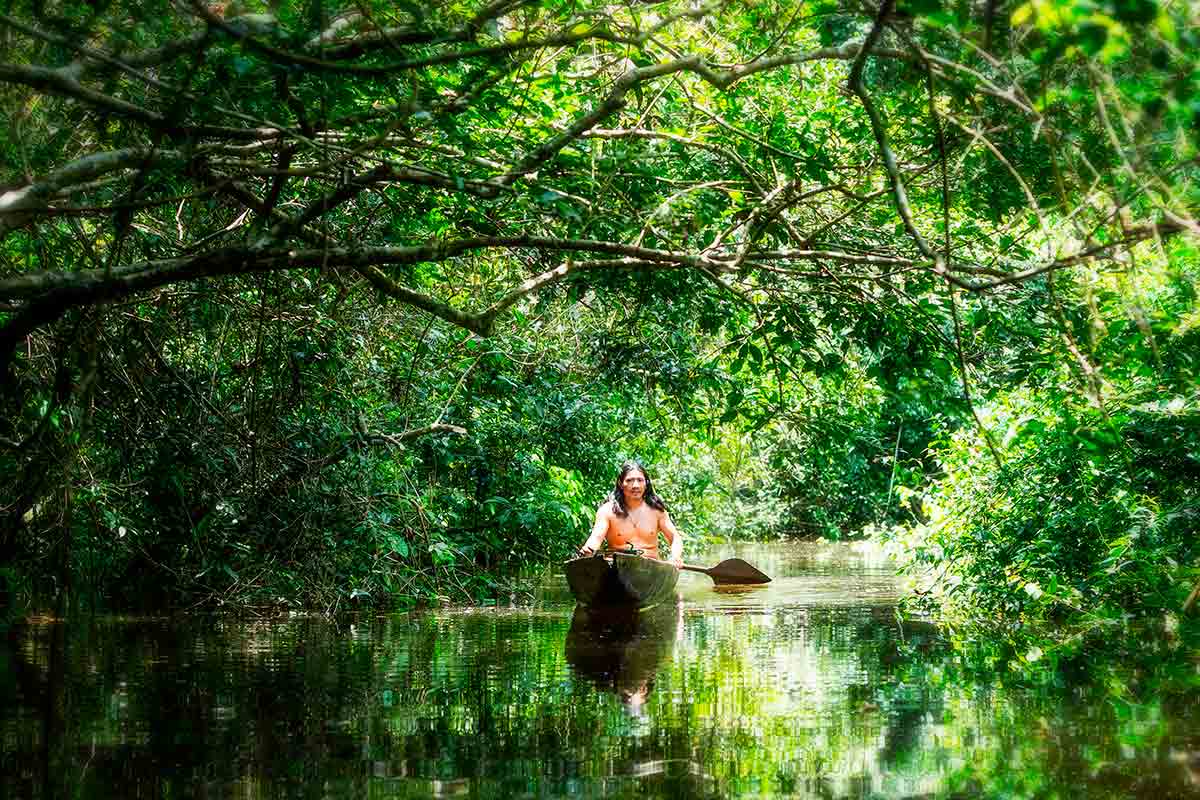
1093 507
1107 30
828 344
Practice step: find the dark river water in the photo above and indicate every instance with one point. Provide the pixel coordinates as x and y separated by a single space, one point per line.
813 686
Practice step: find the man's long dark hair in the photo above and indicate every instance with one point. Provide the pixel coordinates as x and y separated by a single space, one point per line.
650 498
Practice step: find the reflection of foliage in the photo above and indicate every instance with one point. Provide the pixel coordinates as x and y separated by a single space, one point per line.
806 701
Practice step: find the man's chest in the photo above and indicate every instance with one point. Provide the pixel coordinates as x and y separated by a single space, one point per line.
642 522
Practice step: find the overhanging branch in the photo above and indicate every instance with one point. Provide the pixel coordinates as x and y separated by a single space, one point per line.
19 206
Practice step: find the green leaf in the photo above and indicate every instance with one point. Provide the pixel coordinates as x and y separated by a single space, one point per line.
919 8
1092 38
1135 11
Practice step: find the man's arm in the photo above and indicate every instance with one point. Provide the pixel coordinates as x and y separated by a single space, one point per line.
674 537
599 530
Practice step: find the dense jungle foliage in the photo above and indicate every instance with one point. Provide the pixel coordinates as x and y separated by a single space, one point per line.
327 304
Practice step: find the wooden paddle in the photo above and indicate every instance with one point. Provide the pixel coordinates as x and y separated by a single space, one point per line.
731 571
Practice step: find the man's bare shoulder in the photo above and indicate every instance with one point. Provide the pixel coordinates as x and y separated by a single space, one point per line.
606 509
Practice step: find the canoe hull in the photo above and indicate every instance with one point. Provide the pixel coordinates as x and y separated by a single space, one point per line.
618 580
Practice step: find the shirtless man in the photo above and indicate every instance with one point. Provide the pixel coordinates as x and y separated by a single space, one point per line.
634 514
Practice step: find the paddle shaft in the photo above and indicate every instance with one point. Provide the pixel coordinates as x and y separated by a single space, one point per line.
705 570
682 566
730 571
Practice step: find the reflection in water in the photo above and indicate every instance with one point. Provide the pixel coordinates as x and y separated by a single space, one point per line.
621 649
810 687
738 588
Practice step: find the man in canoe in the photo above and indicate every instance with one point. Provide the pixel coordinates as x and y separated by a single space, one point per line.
634 515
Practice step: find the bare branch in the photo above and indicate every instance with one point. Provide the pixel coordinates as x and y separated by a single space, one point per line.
881 138
20 206
62 82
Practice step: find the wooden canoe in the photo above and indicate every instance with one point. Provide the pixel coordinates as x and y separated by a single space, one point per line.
621 580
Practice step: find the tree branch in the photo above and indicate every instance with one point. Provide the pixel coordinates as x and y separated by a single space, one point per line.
62 82
19 206
89 287
881 137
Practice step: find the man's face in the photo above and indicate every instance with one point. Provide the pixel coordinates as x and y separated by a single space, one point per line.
634 485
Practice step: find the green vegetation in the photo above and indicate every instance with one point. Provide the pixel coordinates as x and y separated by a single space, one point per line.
331 304
1092 512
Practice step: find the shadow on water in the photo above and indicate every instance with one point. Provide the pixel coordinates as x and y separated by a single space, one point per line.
811 687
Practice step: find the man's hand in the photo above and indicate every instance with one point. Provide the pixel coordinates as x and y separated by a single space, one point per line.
677 561
585 551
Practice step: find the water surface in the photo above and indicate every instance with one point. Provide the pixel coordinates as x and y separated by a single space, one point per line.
813 686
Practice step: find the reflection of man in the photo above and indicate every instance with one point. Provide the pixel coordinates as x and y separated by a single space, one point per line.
634 697
634 515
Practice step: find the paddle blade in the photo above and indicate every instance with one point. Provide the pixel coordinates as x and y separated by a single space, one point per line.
735 571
